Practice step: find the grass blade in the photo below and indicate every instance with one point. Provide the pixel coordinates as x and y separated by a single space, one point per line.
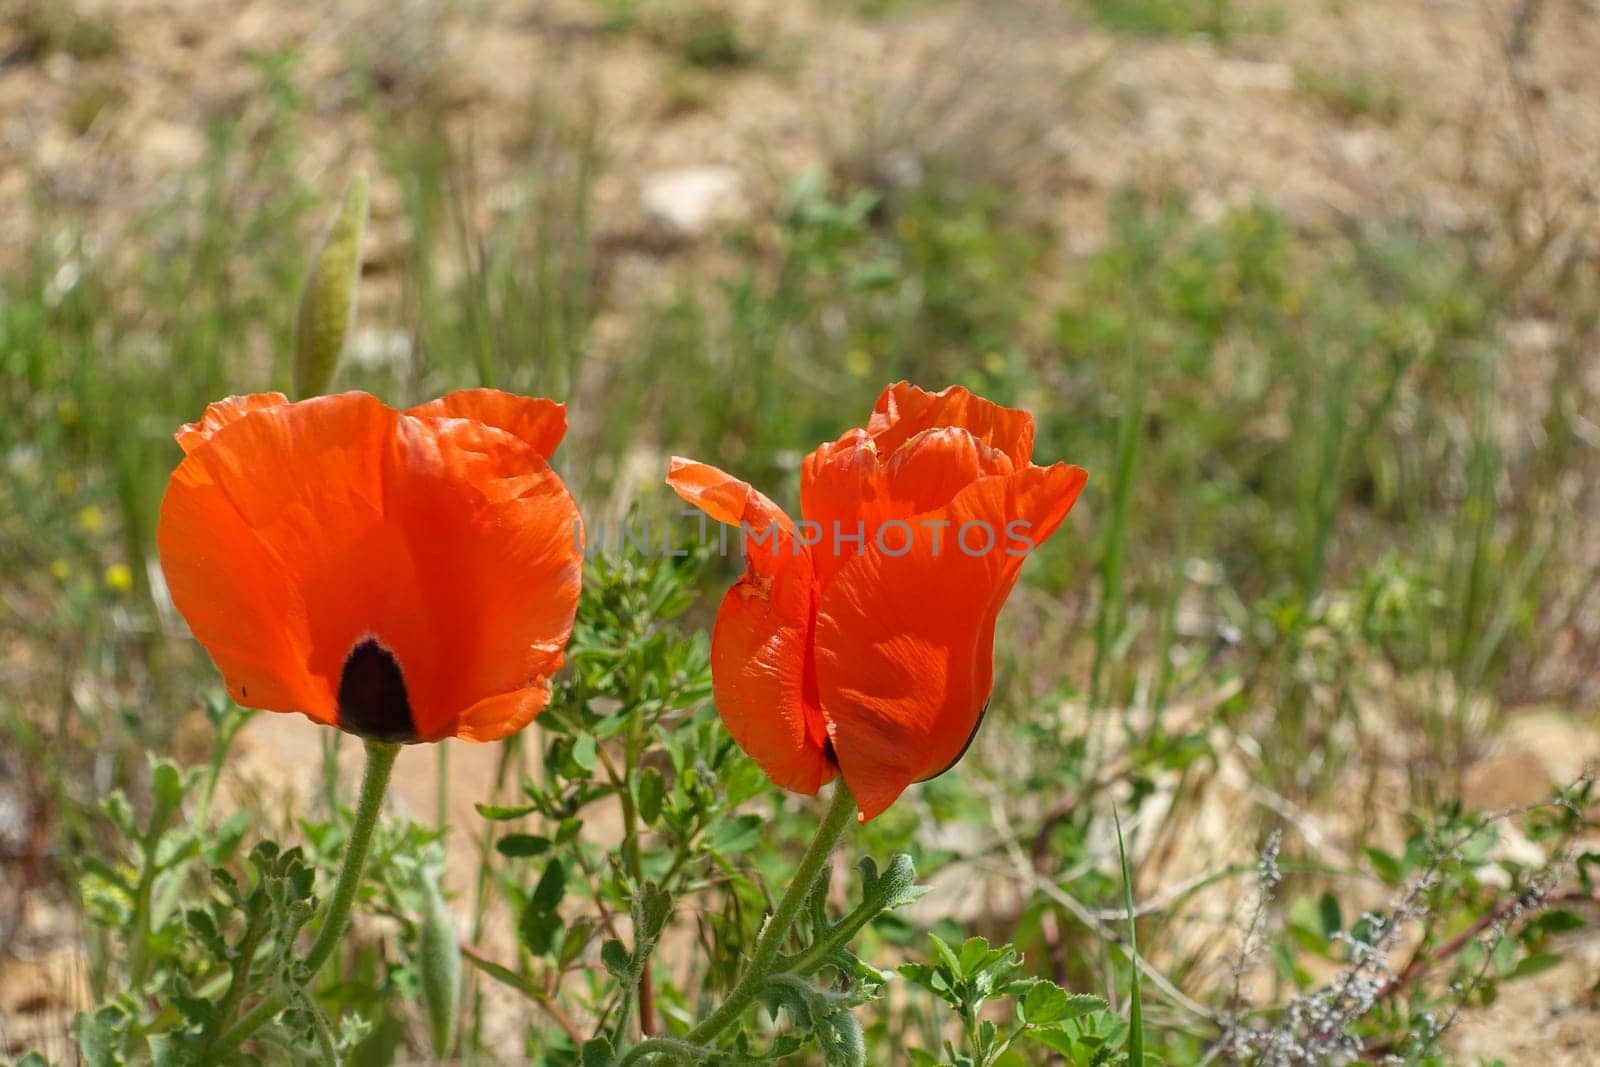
1135 1007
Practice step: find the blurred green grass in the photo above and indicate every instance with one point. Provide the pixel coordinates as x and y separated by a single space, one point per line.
1296 416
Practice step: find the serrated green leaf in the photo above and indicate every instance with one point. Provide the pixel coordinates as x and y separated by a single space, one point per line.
844 1044
97 1035
597 1052
974 954
946 956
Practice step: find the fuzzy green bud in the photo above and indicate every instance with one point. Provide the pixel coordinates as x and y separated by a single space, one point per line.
440 960
328 301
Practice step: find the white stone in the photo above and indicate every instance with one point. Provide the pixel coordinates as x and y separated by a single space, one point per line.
689 201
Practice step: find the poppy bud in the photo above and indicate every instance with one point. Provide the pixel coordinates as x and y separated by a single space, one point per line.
328 301
440 959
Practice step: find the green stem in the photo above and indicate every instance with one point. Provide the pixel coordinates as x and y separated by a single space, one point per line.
837 936
255 927
679 1051
263 1013
840 813
374 784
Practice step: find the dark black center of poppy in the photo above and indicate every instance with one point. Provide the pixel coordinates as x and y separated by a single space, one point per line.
372 695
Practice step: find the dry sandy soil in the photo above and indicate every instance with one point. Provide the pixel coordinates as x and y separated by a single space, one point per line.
1490 98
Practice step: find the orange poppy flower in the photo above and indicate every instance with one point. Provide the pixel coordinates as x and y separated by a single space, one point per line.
402 576
860 640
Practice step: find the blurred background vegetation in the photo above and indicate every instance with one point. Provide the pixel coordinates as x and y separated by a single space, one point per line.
1312 289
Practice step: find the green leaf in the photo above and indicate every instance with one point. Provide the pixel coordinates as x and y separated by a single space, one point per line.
98 1037
597 1052
1535 964
615 958
501 973
584 752
974 954
652 790
551 888
1385 865
505 812
652 907
166 784
225 842
946 956
328 301
1559 920
737 834
517 846
1048 1003
843 1043
1480 843
1330 916
575 941
896 887
537 929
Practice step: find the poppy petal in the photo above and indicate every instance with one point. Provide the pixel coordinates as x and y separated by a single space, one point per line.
259 556
841 486
541 423
191 435
762 679
496 544
762 672
903 411
904 644
852 491
724 497
498 717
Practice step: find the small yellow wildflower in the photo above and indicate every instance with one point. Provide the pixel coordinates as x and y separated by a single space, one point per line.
119 579
91 519
994 362
59 570
66 484
857 362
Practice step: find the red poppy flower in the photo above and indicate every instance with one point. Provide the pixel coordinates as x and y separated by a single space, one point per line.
403 576
860 640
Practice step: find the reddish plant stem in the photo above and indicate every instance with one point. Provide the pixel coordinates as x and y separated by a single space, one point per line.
647 1002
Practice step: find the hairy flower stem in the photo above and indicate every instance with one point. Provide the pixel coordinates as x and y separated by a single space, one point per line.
762 961
374 784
